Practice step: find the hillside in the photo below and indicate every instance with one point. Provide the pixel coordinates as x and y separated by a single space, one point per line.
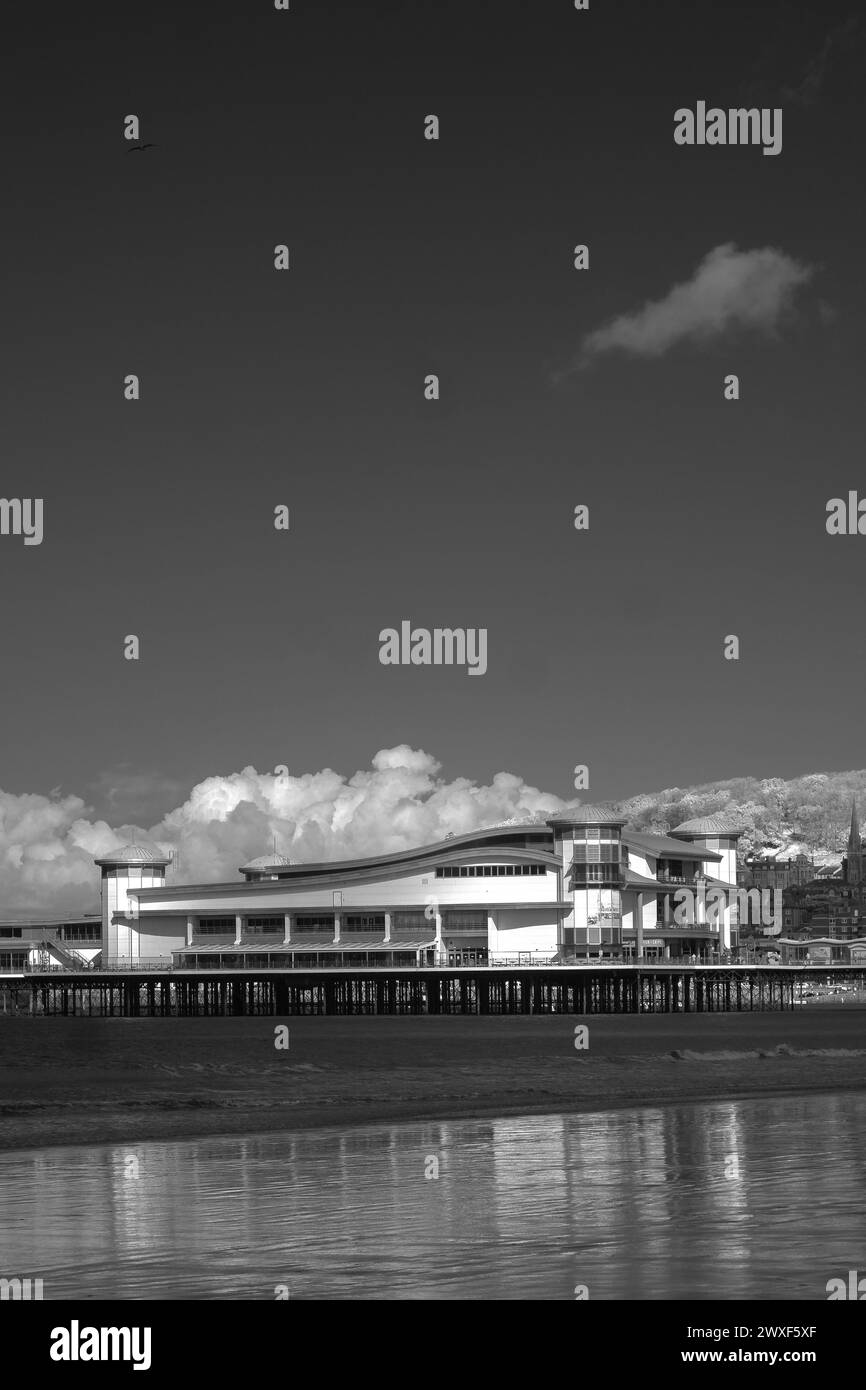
814 810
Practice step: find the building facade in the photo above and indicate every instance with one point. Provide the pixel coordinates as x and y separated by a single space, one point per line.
578 887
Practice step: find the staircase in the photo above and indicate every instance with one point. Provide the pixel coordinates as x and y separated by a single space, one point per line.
71 959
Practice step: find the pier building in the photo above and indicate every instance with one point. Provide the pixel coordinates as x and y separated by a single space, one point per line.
580 886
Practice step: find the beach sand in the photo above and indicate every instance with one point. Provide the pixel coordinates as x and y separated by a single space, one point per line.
90 1081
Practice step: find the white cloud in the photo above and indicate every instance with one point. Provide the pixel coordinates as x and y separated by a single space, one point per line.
729 289
47 844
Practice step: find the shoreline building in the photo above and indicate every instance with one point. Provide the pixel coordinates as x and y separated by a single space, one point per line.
580 886
831 906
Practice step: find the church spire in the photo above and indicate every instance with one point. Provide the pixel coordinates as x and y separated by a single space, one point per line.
854 843
854 862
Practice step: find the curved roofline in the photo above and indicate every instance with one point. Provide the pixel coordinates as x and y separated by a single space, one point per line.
404 862
491 833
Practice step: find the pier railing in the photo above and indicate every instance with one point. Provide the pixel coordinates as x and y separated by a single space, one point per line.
161 967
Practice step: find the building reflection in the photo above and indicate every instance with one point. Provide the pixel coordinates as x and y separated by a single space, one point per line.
733 1199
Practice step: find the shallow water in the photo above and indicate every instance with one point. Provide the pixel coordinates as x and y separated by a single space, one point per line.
735 1200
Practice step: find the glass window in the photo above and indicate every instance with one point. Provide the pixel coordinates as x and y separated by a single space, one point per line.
411 921
308 922
369 922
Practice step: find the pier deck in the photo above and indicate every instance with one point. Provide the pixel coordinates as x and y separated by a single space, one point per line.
460 990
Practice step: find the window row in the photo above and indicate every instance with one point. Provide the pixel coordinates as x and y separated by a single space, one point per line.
592 936
137 871
349 922
490 870
214 926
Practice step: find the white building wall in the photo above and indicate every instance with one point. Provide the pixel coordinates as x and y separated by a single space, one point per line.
649 914
727 848
643 864
156 938
512 930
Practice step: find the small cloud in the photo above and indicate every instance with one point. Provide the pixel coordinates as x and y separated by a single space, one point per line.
730 289
808 90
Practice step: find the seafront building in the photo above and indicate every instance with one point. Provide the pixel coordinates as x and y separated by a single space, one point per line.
832 907
580 886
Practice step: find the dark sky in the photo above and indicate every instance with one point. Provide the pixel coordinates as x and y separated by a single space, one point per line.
306 388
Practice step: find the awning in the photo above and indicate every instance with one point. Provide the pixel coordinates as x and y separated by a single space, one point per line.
308 948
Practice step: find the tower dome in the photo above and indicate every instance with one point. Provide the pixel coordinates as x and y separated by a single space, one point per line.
271 865
587 815
266 862
132 854
707 826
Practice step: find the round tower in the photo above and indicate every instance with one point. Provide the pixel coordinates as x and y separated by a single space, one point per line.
124 871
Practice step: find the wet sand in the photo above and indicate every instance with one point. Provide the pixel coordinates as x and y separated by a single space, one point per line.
90 1081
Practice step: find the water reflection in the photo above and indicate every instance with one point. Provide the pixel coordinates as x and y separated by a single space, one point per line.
736 1200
